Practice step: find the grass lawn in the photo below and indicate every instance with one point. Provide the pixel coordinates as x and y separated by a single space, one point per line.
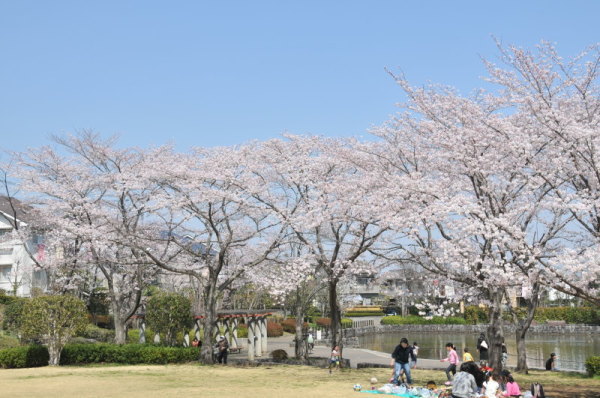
214 381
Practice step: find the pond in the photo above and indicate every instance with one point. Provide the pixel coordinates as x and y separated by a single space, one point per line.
572 349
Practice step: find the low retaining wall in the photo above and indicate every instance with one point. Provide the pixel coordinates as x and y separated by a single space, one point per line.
508 328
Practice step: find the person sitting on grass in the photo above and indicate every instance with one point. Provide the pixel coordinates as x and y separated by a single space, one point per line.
467 357
491 387
334 360
512 388
551 362
464 385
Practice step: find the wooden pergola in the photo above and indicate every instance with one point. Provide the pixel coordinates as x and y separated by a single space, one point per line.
228 321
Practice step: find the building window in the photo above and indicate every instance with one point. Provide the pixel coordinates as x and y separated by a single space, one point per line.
5 273
6 251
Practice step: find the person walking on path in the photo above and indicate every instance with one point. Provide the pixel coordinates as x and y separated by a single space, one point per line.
452 360
482 347
403 354
415 348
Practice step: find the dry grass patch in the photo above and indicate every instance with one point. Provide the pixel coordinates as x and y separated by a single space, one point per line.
215 381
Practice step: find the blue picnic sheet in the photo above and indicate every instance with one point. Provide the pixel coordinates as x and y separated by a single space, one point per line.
406 395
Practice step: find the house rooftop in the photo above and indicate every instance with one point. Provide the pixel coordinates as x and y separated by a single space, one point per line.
14 208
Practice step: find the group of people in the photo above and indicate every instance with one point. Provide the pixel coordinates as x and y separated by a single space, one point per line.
220 349
469 378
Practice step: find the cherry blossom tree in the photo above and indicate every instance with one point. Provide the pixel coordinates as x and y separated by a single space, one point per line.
86 201
203 223
560 99
314 187
481 218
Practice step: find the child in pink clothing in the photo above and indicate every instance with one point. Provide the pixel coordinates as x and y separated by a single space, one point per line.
512 388
453 361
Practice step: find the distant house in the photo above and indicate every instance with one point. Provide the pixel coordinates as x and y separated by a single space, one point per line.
18 275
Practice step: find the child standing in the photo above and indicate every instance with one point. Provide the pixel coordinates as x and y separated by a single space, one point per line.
452 359
415 348
334 360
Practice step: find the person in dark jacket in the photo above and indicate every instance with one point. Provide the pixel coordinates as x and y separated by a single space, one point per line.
403 354
482 347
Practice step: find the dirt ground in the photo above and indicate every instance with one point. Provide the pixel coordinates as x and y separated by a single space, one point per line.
215 381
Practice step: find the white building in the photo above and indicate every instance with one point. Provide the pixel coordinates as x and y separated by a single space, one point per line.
17 271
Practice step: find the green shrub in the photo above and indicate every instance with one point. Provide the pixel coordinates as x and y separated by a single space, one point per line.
346 323
273 329
364 313
6 299
168 313
587 315
7 341
242 331
592 365
24 357
126 354
475 314
92 331
417 320
12 314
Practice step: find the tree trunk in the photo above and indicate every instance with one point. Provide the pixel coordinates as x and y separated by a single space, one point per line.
494 332
299 346
336 319
523 327
54 350
120 329
209 321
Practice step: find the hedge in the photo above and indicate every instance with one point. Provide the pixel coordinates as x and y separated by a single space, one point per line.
587 315
417 320
592 365
364 313
24 357
289 325
132 354
326 322
475 314
274 329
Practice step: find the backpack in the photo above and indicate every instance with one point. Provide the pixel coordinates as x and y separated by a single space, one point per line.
537 391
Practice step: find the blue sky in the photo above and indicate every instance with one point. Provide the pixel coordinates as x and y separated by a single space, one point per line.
226 72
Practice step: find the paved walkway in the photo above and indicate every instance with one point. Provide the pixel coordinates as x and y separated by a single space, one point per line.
355 355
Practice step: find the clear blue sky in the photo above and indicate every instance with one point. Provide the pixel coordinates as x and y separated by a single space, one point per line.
226 72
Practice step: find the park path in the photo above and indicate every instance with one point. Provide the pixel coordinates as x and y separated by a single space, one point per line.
355 355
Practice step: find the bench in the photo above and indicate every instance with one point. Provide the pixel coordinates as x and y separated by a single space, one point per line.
556 323
236 350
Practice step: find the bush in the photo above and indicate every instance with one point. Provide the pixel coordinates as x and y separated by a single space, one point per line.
279 355
167 314
126 354
592 365
364 313
417 320
242 330
323 322
273 329
8 341
346 323
289 325
587 315
92 331
24 357
12 314
475 314
5 299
